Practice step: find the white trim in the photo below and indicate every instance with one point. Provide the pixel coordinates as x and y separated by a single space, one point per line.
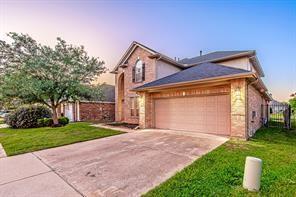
78 111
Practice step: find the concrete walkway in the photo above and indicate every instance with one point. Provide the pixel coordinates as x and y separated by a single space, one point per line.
124 165
26 175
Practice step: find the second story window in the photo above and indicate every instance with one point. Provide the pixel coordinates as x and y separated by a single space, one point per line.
139 71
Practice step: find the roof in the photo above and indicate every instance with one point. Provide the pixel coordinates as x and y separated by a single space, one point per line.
214 56
154 54
200 72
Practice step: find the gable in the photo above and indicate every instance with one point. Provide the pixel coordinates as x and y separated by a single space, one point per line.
130 51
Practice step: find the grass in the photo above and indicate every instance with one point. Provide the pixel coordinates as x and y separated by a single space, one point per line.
220 173
17 141
1 121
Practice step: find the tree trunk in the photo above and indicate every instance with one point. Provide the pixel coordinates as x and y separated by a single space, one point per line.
54 116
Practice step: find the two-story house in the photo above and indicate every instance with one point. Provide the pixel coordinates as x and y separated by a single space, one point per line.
217 93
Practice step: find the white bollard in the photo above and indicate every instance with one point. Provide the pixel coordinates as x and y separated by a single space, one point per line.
252 174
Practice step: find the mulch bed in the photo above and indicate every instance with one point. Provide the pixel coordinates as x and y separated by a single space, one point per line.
122 124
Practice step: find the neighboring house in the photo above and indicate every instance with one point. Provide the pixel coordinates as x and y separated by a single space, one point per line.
218 93
103 110
277 107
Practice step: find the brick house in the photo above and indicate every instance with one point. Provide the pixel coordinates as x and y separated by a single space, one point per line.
217 93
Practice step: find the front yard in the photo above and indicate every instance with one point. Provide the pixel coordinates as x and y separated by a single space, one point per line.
220 173
17 141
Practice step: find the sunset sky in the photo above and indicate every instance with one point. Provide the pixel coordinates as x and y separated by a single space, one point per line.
177 29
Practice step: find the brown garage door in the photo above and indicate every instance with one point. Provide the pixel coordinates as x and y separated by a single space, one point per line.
206 114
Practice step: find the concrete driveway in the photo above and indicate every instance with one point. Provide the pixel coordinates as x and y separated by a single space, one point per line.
124 165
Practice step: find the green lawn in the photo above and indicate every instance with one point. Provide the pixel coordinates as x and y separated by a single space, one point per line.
220 173
17 141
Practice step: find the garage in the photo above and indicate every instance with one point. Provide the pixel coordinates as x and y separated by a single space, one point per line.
205 114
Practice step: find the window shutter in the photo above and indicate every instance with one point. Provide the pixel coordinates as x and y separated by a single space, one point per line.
134 73
143 72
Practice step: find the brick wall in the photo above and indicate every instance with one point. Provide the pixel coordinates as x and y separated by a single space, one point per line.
104 112
255 101
193 91
150 75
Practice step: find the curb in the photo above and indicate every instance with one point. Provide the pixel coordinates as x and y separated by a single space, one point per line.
2 152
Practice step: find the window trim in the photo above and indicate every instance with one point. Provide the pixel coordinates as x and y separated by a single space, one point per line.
135 76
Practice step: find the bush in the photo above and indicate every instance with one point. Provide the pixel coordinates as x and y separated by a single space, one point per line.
27 116
63 121
45 122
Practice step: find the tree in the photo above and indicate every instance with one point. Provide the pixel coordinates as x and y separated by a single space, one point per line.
292 101
36 73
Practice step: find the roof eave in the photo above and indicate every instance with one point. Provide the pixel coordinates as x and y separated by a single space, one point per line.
167 59
257 65
195 82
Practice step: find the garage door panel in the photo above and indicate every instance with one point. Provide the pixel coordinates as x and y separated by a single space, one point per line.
208 114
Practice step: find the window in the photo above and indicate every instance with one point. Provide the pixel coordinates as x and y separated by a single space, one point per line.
254 115
134 106
139 72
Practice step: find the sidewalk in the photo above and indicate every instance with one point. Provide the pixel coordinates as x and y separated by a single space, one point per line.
25 175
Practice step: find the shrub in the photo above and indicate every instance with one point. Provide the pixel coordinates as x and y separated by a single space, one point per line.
27 116
63 121
45 122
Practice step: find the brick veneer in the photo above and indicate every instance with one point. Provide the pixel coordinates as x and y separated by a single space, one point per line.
150 75
255 102
104 112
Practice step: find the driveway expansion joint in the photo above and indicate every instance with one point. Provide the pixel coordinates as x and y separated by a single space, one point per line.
25 178
53 170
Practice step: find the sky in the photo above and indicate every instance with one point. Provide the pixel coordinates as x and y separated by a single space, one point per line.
176 28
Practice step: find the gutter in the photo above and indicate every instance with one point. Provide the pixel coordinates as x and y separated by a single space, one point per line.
194 82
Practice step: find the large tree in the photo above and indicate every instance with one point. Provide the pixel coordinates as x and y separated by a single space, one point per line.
37 73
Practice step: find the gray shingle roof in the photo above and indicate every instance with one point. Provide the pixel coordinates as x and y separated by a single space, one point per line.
199 72
210 57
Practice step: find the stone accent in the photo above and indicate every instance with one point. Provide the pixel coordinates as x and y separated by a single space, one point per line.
99 111
239 108
145 111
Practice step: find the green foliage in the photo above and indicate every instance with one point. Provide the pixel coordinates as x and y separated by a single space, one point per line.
63 121
45 122
27 116
37 73
91 93
220 172
18 141
292 102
